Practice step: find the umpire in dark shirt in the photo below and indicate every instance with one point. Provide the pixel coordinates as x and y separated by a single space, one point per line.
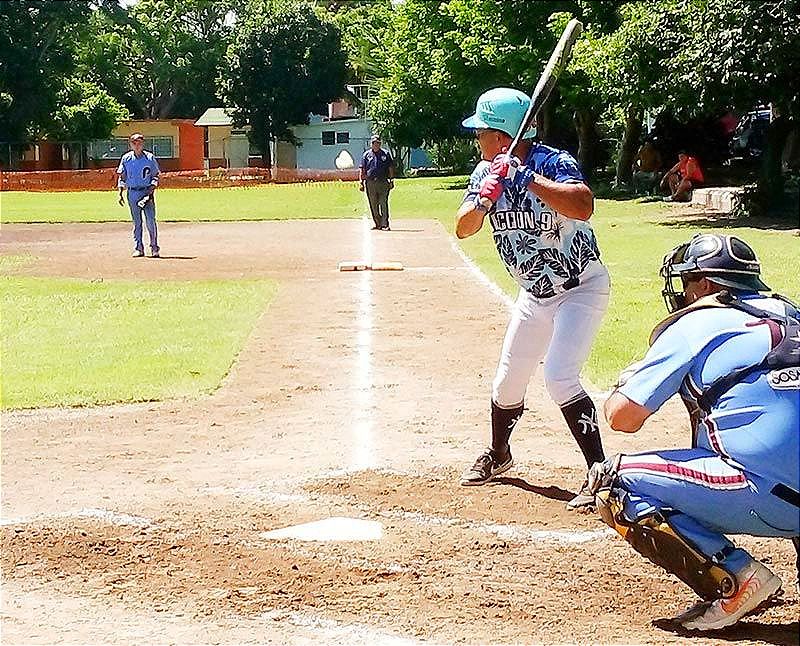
377 179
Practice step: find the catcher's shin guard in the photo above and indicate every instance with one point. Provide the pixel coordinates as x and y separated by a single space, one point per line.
655 539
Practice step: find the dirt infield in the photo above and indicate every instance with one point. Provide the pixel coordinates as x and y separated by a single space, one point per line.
358 395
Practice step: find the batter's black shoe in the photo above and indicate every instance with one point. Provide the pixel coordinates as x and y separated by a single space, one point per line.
486 467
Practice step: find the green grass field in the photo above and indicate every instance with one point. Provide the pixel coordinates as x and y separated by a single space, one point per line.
633 238
69 342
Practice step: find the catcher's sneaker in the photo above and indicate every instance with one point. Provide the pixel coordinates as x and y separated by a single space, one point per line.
486 467
584 501
756 585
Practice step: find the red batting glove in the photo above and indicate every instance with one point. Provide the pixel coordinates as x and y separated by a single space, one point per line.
504 165
500 163
491 187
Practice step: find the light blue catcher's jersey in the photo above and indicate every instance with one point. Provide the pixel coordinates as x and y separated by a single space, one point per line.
138 172
543 250
756 423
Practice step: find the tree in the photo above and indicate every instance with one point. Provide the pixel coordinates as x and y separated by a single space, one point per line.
85 112
629 68
284 62
364 28
745 54
443 55
36 40
160 57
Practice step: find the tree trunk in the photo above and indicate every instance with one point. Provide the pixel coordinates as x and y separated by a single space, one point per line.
770 179
588 140
544 120
628 147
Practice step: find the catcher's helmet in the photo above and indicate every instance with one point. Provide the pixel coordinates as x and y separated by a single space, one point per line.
724 260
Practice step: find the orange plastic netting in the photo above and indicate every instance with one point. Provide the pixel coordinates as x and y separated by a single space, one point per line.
105 179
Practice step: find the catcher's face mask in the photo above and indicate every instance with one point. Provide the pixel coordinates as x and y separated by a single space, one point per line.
674 292
724 260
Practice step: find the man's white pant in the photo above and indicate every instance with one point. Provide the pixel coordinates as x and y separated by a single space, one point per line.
562 328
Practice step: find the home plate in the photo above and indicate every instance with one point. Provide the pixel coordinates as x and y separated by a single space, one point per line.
336 528
360 265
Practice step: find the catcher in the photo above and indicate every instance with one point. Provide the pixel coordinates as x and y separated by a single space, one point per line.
733 355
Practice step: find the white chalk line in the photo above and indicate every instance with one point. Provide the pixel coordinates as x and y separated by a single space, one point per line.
363 455
105 515
506 531
339 632
492 286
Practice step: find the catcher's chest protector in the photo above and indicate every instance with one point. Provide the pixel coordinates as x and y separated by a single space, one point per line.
785 353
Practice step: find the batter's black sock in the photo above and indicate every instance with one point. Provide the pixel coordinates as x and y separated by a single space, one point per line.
581 418
503 422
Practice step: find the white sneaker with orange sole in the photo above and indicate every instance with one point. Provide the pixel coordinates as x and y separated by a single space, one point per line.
756 585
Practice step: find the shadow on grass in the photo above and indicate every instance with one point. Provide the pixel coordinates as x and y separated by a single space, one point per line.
714 220
453 186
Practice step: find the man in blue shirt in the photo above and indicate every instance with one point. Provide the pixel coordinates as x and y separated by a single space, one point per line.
138 173
733 355
376 177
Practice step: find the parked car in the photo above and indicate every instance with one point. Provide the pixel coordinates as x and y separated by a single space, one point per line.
750 135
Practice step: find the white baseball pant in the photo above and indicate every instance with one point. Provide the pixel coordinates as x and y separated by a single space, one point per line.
562 328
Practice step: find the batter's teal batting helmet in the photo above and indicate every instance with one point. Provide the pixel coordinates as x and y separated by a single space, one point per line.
502 108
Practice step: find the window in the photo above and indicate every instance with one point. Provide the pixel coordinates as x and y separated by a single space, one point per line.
108 148
116 148
160 146
342 137
328 137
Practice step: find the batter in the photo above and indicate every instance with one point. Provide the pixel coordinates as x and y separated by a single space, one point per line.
540 207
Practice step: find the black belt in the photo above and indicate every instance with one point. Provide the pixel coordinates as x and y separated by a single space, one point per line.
137 188
787 494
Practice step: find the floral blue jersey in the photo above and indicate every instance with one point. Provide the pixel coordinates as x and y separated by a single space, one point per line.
545 251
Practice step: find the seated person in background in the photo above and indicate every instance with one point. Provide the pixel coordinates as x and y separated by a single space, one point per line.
646 168
682 178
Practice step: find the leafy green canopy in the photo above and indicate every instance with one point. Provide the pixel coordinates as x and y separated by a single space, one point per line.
160 57
442 55
36 41
284 62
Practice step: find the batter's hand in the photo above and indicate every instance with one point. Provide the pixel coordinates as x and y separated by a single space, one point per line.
121 201
504 165
491 188
361 186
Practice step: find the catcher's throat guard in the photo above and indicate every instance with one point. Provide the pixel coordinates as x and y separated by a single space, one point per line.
654 538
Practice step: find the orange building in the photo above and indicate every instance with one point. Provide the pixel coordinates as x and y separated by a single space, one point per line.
177 144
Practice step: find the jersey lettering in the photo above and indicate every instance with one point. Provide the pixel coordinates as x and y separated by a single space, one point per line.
784 379
543 250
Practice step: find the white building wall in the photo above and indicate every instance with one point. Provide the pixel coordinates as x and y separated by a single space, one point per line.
313 153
